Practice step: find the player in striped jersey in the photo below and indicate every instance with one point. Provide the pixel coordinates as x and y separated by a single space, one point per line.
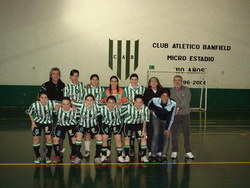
111 123
41 116
131 91
135 120
75 89
118 93
89 112
96 90
66 122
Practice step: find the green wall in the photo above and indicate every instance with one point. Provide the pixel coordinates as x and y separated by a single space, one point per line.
218 99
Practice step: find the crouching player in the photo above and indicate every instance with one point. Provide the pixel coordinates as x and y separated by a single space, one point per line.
111 124
40 113
136 116
89 112
66 122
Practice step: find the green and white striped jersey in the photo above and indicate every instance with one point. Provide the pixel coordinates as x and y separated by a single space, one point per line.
132 115
66 118
96 92
42 114
88 117
111 118
132 92
74 92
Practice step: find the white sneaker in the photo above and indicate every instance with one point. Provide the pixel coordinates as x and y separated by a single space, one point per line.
127 159
108 153
121 159
87 154
144 159
48 160
97 160
189 155
174 155
37 160
149 154
77 160
159 154
103 158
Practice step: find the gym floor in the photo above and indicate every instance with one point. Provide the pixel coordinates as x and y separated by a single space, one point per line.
220 143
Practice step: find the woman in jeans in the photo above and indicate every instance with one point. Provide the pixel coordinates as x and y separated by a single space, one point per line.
164 110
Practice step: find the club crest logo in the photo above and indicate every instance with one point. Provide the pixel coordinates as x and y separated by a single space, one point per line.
123 57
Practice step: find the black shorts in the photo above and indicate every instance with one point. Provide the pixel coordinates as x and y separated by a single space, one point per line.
92 130
47 128
108 130
129 129
60 131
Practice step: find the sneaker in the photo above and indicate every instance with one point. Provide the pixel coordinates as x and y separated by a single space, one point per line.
97 160
87 154
153 159
164 159
189 155
72 158
37 160
127 159
144 159
149 154
104 158
159 154
56 159
108 153
77 160
174 155
48 160
120 159
132 153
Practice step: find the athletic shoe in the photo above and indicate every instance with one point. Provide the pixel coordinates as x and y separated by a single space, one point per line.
153 159
132 153
120 159
72 158
149 154
174 155
77 160
87 154
144 159
127 159
189 155
48 160
164 159
104 158
37 160
159 154
108 153
158 159
97 160
56 159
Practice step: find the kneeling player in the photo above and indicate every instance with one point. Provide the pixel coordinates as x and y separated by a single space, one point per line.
66 122
89 112
135 120
40 113
111 124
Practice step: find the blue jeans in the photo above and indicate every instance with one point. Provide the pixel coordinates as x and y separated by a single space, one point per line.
159 128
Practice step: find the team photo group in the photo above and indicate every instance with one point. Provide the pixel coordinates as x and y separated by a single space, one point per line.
148 116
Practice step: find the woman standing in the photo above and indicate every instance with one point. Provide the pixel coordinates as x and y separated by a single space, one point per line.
153 89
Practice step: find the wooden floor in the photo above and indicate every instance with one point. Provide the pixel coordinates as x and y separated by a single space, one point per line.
220 143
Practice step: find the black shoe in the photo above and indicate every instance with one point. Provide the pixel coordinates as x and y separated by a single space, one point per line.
153 159
159 159
164 159
131 153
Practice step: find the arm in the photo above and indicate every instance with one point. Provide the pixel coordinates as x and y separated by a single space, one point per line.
170 119
33 124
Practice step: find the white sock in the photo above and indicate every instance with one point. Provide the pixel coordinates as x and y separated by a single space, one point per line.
87 145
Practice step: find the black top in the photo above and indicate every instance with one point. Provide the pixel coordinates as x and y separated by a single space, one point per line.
149 94
54 91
